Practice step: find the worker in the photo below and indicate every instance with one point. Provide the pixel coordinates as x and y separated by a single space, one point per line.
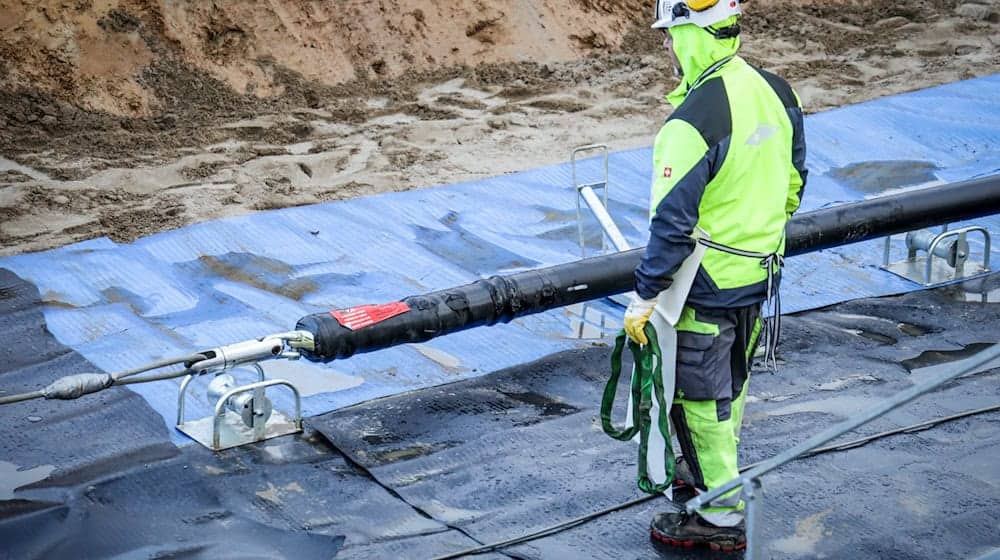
728 172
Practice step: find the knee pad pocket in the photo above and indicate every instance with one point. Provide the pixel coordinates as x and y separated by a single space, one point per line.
703 366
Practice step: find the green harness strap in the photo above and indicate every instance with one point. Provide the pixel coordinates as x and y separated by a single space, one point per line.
646 379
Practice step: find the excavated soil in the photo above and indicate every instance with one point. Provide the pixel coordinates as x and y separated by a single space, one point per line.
122 118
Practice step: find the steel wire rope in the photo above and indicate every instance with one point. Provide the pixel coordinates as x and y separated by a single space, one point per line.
124 377
559 527
156 377
190 358
21 397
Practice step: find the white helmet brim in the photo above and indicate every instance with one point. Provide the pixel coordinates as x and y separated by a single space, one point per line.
678 12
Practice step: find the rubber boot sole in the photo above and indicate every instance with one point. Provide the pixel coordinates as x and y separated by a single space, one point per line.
691 543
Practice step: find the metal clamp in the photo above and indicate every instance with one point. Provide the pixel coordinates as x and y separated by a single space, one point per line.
273 346
951 249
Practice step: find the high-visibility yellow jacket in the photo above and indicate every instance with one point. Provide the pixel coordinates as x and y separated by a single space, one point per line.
730 159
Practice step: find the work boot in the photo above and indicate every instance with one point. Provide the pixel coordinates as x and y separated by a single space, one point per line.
682 472
681 529
683 486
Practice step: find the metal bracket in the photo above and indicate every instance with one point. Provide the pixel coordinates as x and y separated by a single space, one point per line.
951 249
599 207
226 428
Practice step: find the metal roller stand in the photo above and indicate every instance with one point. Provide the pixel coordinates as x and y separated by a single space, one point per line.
946 256
242 412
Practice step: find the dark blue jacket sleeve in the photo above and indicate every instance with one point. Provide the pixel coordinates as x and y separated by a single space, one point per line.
671 227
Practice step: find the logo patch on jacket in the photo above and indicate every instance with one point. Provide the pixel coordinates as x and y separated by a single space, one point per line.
667 172
761 135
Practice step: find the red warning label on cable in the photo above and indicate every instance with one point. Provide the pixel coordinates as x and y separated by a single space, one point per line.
362 316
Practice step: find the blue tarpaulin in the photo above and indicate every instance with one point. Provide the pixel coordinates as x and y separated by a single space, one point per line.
213 283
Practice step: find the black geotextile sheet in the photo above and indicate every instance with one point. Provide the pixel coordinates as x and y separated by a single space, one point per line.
99 477
481 460
522 449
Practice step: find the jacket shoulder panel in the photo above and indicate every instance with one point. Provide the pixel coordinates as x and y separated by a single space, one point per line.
706 109
780 87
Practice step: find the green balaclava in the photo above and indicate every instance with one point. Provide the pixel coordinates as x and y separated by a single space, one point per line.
696 50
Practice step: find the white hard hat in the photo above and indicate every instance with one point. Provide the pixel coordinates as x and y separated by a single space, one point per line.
703 13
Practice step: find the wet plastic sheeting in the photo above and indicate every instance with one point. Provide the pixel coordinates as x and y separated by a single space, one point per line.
521 449
35 432
165 511
506 454
929 494
497 454
228 280
99 477
302 485
925 495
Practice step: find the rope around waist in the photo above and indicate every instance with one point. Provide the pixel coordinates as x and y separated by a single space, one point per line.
772 263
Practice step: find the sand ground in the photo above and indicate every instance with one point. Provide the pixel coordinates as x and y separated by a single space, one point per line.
123 119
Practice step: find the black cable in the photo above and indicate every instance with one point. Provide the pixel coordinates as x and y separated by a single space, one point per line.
819 450
549 530
905 430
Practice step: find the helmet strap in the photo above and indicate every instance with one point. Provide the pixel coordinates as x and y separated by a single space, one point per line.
725 32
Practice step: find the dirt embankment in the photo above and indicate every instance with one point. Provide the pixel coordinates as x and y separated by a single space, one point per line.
105 55
127 117
150 68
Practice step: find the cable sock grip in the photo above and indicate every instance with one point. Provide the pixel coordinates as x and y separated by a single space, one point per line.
75 386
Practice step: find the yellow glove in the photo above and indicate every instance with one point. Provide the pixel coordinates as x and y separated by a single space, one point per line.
636 317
